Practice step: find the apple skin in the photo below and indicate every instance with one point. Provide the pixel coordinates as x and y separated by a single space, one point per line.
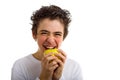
53 51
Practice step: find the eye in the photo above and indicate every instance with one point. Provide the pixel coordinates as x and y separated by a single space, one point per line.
58 34
43 33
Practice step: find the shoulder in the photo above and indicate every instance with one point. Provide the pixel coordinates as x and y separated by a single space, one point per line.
71 62
72 65
72 70
24 60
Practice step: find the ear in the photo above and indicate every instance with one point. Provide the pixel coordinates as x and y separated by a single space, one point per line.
34 36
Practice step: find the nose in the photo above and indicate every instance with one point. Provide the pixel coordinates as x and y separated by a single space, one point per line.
51 40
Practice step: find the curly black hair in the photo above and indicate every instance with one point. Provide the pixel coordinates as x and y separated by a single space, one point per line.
52 12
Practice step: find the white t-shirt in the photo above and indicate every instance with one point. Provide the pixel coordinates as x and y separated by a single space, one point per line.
29 68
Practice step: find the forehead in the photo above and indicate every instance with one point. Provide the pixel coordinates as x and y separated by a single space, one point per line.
51 25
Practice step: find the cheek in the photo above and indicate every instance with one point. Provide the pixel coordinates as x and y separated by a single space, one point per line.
59 42
41 40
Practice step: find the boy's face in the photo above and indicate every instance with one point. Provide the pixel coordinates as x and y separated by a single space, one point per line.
49 34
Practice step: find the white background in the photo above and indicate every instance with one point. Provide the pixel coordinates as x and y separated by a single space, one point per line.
93 41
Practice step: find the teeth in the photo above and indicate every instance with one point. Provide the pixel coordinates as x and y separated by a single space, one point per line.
50 47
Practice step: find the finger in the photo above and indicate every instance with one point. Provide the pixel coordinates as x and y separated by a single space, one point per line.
45 60
53 65
48 58
60 63
62 52
61 57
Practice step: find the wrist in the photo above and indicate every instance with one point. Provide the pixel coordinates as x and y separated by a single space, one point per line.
41 78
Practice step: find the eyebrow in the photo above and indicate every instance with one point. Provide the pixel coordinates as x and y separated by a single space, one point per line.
43 31
57 32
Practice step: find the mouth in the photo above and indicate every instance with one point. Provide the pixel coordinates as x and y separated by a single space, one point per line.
49 47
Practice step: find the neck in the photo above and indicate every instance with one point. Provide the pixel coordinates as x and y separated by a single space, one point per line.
38 55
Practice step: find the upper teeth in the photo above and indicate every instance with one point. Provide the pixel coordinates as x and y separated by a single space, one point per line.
50 47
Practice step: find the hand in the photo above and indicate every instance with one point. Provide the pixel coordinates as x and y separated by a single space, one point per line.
61 61
49 64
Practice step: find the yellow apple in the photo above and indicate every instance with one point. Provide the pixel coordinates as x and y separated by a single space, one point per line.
53 51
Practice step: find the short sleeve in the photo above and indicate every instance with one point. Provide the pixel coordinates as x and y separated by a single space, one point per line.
37 78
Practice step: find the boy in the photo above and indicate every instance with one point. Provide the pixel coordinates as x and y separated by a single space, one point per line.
49 29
